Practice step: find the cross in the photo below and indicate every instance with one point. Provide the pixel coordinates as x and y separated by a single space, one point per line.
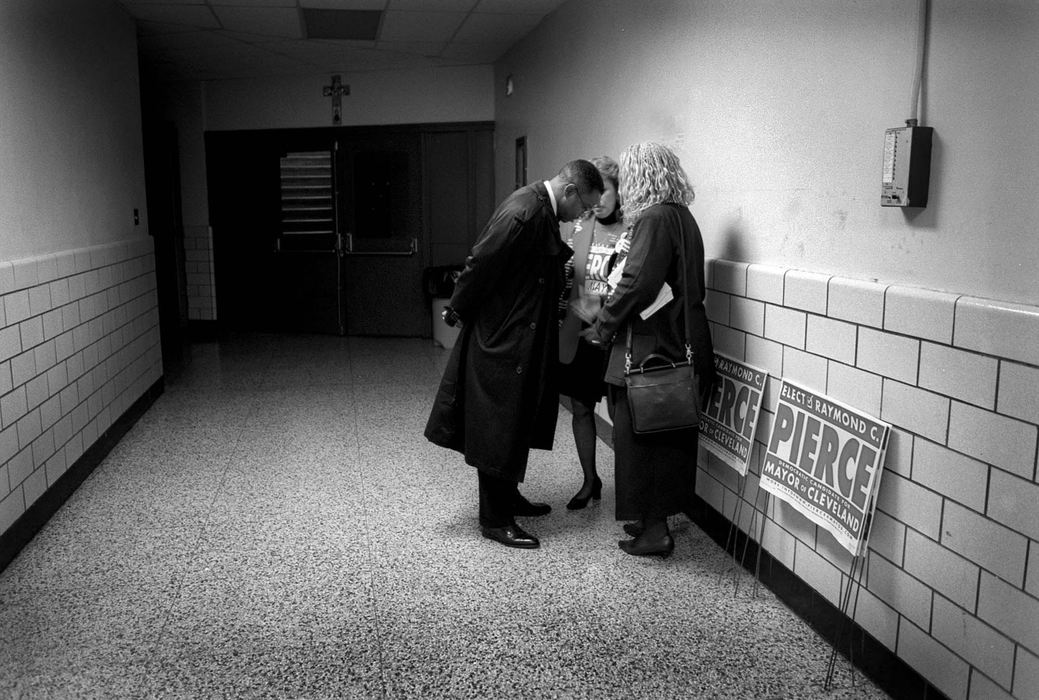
336 90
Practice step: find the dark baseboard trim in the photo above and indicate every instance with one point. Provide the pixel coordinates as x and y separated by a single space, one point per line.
890 673
32 520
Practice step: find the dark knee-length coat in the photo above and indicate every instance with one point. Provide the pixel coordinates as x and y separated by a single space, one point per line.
498 397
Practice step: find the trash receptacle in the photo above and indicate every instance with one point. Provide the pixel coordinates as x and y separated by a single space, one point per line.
439 286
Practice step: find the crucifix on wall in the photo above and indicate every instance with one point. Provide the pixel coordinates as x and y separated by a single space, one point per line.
336 91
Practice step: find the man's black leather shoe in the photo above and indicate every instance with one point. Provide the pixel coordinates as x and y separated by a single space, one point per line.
526 509
511 536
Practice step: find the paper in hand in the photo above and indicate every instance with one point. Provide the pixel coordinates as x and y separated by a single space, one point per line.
662 299
615 274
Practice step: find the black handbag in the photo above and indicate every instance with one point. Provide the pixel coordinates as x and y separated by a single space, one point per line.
664 394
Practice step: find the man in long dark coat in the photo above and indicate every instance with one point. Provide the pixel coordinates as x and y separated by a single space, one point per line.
498 397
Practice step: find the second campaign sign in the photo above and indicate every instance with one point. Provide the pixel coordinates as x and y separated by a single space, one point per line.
727 426
824 458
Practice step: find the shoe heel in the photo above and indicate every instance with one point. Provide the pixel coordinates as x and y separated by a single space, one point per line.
597 490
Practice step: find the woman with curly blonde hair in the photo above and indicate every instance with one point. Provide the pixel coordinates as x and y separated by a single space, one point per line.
655 474
652 175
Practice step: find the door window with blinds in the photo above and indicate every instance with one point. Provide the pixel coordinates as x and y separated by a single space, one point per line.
308 212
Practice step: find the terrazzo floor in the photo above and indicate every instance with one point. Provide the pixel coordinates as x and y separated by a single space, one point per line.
276 526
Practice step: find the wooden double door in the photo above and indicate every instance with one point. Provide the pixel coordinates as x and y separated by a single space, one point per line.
328 230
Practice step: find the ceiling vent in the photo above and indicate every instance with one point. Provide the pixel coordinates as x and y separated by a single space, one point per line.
361 25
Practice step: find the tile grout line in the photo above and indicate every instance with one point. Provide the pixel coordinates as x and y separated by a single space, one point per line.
352 387
202 532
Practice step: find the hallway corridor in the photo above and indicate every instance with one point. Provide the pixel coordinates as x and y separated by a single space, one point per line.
276 525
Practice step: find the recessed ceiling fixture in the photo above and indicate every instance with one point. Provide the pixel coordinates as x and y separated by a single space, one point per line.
362 25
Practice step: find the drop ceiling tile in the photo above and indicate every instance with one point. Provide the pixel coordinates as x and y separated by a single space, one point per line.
157 28
532 7
133 3
249 38
198 16
506 29
419 48
189 40
344 4
420 26
432 5
254 3
357 60
243 61
268 21
341 24
473 53
325 52
414 33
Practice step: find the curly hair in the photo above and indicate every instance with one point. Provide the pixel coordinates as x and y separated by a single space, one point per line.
651 174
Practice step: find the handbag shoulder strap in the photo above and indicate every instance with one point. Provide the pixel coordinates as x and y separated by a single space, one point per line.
685 301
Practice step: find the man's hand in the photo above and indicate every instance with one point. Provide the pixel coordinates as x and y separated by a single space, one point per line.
450 317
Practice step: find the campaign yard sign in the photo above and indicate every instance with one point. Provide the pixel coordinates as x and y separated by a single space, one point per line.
824 458
727 426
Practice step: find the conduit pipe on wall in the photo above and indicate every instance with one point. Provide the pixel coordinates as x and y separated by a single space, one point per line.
921 50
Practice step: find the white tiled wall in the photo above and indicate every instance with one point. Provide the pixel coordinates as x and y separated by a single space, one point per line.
952 573
201 287
79 343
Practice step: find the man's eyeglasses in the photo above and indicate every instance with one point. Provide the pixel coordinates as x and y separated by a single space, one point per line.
585 206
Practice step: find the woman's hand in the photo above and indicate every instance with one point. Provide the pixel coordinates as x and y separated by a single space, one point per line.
590 336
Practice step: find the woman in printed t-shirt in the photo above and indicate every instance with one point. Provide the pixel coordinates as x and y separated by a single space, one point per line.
597 238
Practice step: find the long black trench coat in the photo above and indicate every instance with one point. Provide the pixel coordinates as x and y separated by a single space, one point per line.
498 397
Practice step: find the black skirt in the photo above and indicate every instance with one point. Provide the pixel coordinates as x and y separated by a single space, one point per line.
582 378
655 475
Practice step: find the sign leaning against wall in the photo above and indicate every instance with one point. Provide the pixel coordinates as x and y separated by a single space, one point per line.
825 458
728 426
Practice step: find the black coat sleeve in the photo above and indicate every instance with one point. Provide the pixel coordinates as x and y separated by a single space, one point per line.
504 241
645 271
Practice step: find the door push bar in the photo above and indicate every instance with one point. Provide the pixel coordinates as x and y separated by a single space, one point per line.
349 249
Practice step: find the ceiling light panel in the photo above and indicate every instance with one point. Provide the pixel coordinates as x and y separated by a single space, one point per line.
341 24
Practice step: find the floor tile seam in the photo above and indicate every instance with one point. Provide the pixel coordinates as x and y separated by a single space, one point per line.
377 627
196 549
